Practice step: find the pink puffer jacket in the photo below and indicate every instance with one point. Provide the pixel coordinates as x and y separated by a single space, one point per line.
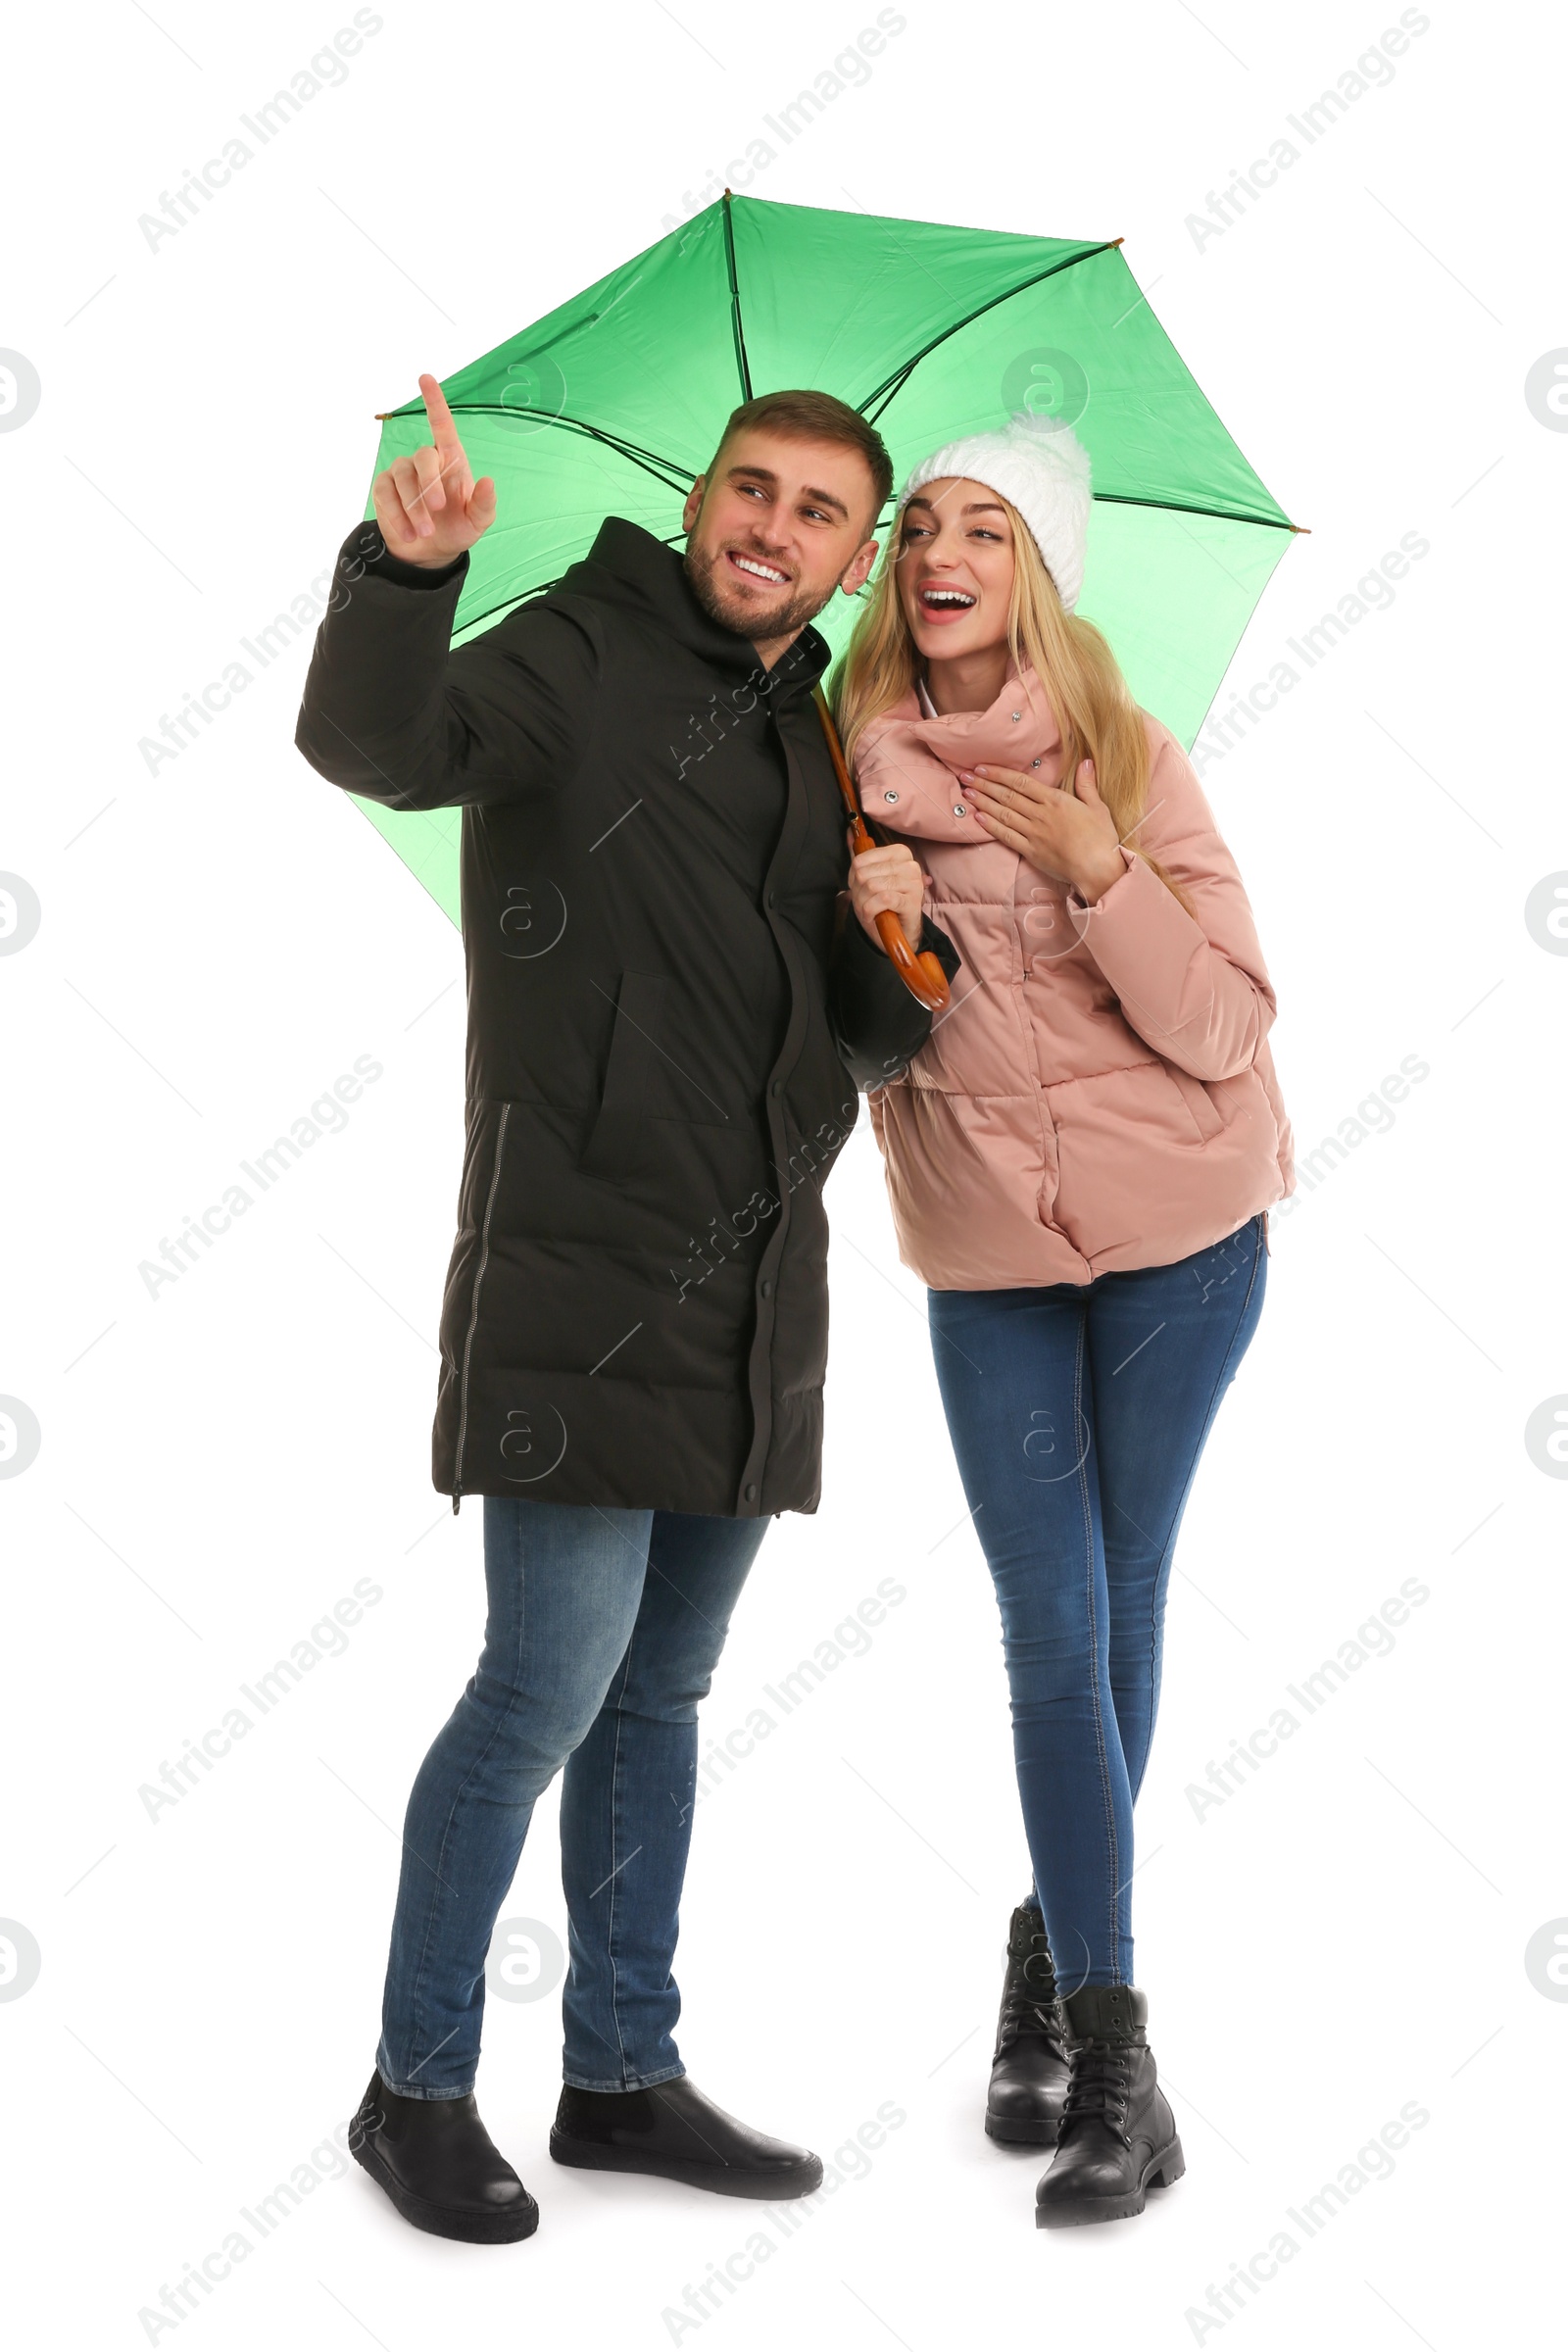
1099 1095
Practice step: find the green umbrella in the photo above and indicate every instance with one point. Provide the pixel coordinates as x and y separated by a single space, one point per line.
613 403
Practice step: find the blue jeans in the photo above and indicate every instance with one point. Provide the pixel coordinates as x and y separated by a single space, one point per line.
602 1631
1077 1415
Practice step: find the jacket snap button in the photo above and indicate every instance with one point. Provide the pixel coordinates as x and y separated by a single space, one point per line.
1017 715
777 1086
751 1494
958 809
889 795
768 1290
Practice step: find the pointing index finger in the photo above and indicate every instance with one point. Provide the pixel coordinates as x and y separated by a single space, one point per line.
443 431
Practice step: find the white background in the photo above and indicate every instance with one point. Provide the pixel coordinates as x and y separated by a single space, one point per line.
1347 1932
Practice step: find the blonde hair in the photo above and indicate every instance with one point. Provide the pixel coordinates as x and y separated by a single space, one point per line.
1092 702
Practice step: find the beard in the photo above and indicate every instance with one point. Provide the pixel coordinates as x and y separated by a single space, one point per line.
760 624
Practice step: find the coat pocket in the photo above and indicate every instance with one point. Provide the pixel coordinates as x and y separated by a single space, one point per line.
649 1074
1199 1101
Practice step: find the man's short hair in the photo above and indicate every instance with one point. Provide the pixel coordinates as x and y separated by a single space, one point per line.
816 417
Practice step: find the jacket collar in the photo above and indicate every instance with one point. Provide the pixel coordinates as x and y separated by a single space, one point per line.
907 762
628 568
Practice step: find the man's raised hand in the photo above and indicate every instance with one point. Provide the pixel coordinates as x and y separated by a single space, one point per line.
429 506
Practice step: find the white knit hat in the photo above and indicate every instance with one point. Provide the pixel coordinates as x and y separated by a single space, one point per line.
1041 467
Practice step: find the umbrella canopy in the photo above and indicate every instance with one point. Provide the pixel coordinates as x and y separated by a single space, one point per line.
615 403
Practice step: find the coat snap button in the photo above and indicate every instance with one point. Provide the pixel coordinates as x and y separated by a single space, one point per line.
889 795
958 809
751 1494
768 1290
1017 715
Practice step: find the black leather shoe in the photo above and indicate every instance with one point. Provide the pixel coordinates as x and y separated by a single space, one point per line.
672 2129
1029 2065
1118 2136
440 2167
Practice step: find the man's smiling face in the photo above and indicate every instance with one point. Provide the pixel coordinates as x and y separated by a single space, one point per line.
774 526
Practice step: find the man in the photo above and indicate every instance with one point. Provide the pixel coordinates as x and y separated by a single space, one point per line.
666 1028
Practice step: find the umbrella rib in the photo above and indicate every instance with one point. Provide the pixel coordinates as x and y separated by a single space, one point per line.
888 391
673 476
1179 505
896 382
741 360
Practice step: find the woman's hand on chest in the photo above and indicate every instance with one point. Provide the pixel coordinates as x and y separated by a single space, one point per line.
1068 835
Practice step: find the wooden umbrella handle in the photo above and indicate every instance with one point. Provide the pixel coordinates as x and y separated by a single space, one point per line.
922 975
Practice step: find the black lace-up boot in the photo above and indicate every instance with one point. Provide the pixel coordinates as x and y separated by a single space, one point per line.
1029 2066
1118 2136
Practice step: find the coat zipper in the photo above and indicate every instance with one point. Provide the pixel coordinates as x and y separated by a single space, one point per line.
474 1314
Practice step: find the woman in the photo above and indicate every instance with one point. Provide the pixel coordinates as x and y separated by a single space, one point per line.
1080 1165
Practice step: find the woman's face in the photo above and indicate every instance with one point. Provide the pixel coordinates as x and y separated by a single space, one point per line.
955 569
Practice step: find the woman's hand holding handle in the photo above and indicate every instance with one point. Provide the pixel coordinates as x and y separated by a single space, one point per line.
887 881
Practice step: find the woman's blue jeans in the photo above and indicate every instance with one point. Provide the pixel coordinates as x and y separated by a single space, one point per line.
602 1631
1077 1416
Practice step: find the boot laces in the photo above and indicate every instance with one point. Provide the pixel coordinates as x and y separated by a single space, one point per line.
1101 2084
1026 2006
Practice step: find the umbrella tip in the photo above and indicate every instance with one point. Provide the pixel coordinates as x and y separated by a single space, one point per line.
1304 528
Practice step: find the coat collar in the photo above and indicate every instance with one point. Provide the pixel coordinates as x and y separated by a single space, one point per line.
628 568
907 762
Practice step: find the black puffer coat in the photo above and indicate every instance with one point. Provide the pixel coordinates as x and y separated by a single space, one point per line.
668 1016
